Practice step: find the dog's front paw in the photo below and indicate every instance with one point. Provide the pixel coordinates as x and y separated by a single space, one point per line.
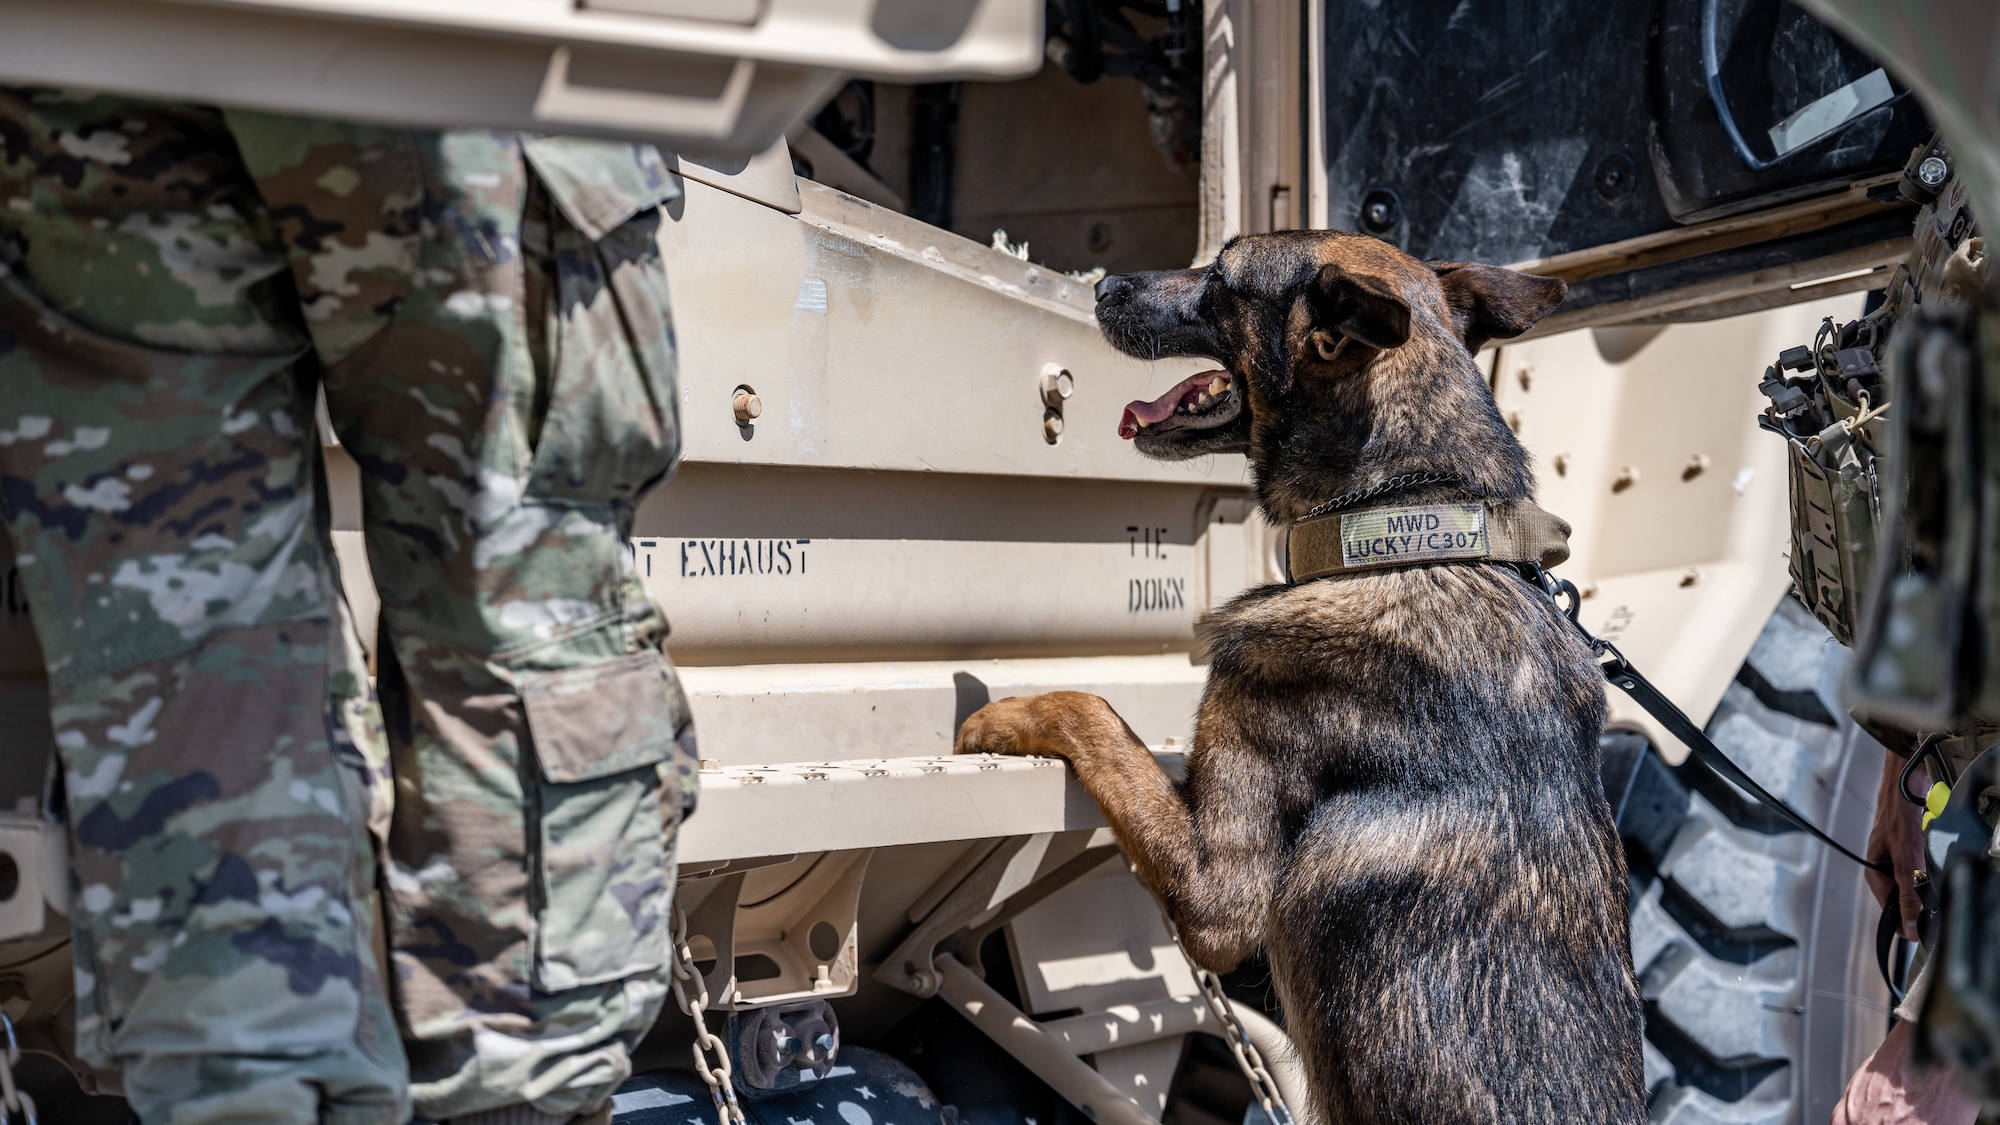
1055 724
1008 726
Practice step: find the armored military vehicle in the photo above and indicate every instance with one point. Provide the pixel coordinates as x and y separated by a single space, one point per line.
903 493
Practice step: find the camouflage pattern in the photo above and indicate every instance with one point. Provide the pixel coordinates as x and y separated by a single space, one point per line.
1831 474
489 320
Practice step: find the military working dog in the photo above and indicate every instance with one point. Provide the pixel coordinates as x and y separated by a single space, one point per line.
1392 789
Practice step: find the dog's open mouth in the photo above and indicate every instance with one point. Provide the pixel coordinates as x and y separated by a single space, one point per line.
1198 402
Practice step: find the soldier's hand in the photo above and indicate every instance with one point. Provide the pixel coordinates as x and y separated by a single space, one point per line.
1897 839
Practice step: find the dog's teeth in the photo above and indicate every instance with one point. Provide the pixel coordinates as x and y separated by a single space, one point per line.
1142 422
1216 386
1203 400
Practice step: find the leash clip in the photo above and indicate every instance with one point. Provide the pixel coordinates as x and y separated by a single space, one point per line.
1559 588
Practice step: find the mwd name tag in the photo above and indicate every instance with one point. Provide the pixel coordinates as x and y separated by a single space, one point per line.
1424 533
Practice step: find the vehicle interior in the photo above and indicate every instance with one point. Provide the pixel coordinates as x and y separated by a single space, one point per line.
1094 162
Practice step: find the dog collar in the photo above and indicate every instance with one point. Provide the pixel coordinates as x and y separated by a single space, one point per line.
1514 531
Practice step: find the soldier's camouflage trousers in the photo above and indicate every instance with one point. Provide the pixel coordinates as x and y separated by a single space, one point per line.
488 317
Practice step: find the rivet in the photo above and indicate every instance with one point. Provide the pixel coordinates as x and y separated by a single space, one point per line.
1514 420
1526 375
1697 465
1561 463
1690 577
747 405
1052 427
1627 477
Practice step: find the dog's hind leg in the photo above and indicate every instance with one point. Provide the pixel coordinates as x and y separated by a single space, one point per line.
1208 847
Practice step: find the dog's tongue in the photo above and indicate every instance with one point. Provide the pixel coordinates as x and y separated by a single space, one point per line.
1162 408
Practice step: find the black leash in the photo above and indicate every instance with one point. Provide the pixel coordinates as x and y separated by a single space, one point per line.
1619 671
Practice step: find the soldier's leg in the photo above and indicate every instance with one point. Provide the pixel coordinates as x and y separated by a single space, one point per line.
506 385
158 472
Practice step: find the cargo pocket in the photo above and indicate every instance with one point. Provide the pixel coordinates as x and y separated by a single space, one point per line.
612 425
603 736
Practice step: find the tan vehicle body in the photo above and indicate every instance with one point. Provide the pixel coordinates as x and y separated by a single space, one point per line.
919 520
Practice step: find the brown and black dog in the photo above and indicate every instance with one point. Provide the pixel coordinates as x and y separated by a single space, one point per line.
1392 788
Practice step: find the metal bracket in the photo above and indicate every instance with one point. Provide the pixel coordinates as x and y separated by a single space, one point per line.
993 893
779 931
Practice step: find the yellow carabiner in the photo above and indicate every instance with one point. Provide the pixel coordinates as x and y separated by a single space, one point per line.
1934 802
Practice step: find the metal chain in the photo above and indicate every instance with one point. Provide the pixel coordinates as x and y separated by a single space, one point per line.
1407 480
13 1099
1248 1059
680 959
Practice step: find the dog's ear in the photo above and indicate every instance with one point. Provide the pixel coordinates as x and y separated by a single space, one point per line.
1488 302
1355 305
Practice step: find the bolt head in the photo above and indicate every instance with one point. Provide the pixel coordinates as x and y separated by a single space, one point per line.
1381 211
1057 384
748 407
1052 426
1615 177
1932 172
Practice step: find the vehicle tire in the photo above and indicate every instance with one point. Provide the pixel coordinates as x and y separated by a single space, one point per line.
1754 942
